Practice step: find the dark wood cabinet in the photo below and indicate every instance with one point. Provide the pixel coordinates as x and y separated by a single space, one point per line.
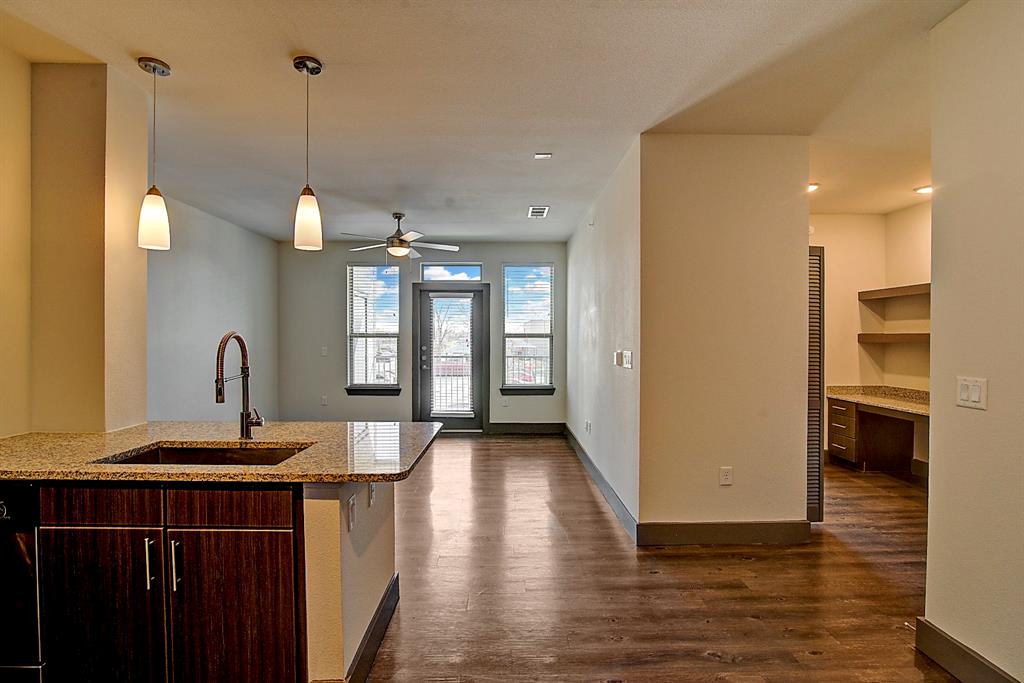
211 596
232 607
103 604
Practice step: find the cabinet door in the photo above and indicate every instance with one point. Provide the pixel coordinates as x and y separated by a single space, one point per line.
232 602
103 612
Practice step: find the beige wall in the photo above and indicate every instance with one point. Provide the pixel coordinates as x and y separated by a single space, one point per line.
88 279
908 245
976 479
604 316
313 313
216 277
723 273
15 242
854 261
68 169
124 269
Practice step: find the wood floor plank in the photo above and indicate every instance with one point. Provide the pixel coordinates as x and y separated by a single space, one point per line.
514 569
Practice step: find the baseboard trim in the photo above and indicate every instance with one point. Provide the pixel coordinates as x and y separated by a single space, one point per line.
955 657
359 670
623 514
724 533
506 428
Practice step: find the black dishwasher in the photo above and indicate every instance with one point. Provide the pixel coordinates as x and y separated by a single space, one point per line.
20 653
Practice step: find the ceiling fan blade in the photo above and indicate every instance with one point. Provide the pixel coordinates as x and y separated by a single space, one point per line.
415 254
412 235
372 246
363 237
442 247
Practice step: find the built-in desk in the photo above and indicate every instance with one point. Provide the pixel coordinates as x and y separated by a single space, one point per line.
878 428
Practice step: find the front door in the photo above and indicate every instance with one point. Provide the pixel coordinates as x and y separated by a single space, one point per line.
450 349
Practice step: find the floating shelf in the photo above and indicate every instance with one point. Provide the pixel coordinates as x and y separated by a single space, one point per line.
894 337
894 292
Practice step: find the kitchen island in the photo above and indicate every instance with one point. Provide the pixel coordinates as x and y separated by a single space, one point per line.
200 569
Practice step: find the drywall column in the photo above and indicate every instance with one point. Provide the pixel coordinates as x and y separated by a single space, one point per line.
723 334
976 474
15 236
88 321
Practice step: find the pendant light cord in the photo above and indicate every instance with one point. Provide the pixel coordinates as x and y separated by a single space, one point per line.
154 129
307 127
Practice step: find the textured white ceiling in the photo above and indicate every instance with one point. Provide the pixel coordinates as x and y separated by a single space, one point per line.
436 108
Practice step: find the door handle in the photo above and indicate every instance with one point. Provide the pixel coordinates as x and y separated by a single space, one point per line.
174 566
149 573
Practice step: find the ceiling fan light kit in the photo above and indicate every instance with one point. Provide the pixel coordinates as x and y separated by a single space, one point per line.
399 244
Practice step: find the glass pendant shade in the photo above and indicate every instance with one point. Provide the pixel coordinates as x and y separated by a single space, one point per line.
154 228
309 235
398 251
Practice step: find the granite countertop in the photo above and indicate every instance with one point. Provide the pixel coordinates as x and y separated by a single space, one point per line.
337 452
904 400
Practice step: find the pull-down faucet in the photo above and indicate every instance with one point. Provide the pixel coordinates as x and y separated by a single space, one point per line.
250 417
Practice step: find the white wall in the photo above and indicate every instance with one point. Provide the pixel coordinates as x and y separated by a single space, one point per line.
976 478
908 245
723 370
15 241
216 277
313 314
854 261
604 316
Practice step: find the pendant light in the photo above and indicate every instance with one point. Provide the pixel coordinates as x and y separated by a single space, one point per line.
309 234
154 227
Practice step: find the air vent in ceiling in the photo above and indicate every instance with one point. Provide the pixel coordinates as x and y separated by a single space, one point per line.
538 212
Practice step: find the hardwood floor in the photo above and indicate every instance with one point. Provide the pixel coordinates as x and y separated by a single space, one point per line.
514 569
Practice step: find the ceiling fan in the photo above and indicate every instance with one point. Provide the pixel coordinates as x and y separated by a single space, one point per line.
399 243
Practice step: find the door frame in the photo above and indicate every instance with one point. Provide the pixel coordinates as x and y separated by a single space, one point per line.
421 413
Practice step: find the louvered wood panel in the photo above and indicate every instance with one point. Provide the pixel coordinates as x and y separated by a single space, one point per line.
815 382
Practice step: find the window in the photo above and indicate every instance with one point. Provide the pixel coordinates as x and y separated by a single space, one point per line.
373 329
450 271
529 327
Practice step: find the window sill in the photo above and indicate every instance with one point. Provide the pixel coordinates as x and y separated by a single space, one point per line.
373 390
527 390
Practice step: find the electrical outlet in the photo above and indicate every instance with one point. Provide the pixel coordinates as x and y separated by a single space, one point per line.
373 492
587 426
725 476
351 512
972 392
323 351
627 360
504 402
323 400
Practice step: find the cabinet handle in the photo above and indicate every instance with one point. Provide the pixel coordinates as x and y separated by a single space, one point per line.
834 424
174 566
842 408
842 448
149 574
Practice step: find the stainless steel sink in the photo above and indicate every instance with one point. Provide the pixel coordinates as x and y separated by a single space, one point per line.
204 455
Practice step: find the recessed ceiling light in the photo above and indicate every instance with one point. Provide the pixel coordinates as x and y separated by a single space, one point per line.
925 189
538 212
542 155
811 187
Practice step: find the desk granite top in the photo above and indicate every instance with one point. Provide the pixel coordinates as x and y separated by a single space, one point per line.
337 452
904 400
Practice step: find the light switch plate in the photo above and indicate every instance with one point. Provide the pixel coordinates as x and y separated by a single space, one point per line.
351 512
323 351
972 392
617 358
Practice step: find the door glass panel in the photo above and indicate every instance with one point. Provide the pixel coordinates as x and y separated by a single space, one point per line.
451 362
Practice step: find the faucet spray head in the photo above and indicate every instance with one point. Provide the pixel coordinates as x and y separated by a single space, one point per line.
219 385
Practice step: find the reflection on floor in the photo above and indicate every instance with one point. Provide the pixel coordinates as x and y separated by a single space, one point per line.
513 569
